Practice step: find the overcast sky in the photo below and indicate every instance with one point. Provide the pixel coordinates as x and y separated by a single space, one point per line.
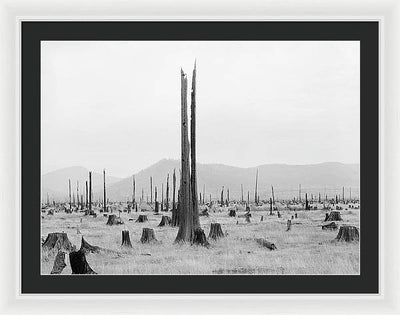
116 104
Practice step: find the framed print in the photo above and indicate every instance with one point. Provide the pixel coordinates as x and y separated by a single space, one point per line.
200 157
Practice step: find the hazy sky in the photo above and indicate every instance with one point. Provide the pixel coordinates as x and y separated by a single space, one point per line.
116 104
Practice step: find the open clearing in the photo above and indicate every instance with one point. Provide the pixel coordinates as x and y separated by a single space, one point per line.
305 249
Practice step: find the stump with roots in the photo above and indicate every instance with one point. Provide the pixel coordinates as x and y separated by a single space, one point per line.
58 241
215 231
348 233
199 238
59 263
148 236
333 216
165 220
87 248
330 226
142 218
288 225
114 220
265 243
78 262
232 213
126 240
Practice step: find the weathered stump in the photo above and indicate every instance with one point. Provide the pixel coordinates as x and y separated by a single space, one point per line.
288 225
215 231
199 238
142 218
348 233
330 226
333 216
126 240
204 213
87 248
148 236
58 241
265 243
78 262
232 213
59 263
262 218
50 212
114 220
165 220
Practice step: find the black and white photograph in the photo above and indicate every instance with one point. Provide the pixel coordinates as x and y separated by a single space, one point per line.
200 158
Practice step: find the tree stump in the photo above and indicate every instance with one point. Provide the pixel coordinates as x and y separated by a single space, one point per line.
165 220
247 218
215 231
50 212
262 218
58 241
289 225
114 220
204 213
59 263
265 243
279 215
156 207
330 226
295 215
333 216
199 238
348 233
87 248
232 213
142 218
126 240
78 262
148 236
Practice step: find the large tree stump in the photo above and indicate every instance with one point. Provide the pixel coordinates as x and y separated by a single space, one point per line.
58 241
232 213
87 248
330 226
165 220
142 218
215 231
266 244
78 262
288 225
126 240
333 216
59 263
348 233
148 236
114 220
199 238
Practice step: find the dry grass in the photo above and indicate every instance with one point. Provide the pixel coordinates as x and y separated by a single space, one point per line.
306 249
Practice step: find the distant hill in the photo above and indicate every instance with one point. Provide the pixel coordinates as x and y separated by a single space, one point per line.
325 178
56 183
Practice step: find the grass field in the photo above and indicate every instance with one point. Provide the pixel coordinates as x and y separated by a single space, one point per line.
305 249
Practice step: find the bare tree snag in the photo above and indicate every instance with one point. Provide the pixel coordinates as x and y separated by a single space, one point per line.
215 231
262 218
58 241
142 218
348 233
165 220
90 191
175 215
270 206
126 240
114 220
151 190
69 190
162 197
134 191
79 264
167 196
241 188
86 196
222 196
265 243
288 225
185 232
279 215
255 189
104 199
87 248
59 263
148 236
307 205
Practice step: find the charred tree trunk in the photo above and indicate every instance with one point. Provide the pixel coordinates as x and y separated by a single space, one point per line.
78 262
232 213
90 191
151 190
126 240
134 192
104 183
348 233
59 263
175 215
215 231
155 200
333 216
241 188
162 197
148 236
255 190
185 233
273 195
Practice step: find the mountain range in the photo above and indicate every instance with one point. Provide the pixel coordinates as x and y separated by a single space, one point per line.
325 178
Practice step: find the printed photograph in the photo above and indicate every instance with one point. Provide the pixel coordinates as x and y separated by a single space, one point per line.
200 158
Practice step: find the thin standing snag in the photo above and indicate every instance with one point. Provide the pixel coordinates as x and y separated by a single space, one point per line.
289 225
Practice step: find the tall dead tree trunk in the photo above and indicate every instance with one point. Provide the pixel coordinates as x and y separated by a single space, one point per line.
162 197
307 205
155 200
69 190
227 192
134 191
90 191
77 193
241 188
104 191
222 196
255 190
185 232
167 192
151 190
273 195
175 216
86 196
299 192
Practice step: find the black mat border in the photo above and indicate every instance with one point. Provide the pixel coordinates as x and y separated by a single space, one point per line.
33 32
